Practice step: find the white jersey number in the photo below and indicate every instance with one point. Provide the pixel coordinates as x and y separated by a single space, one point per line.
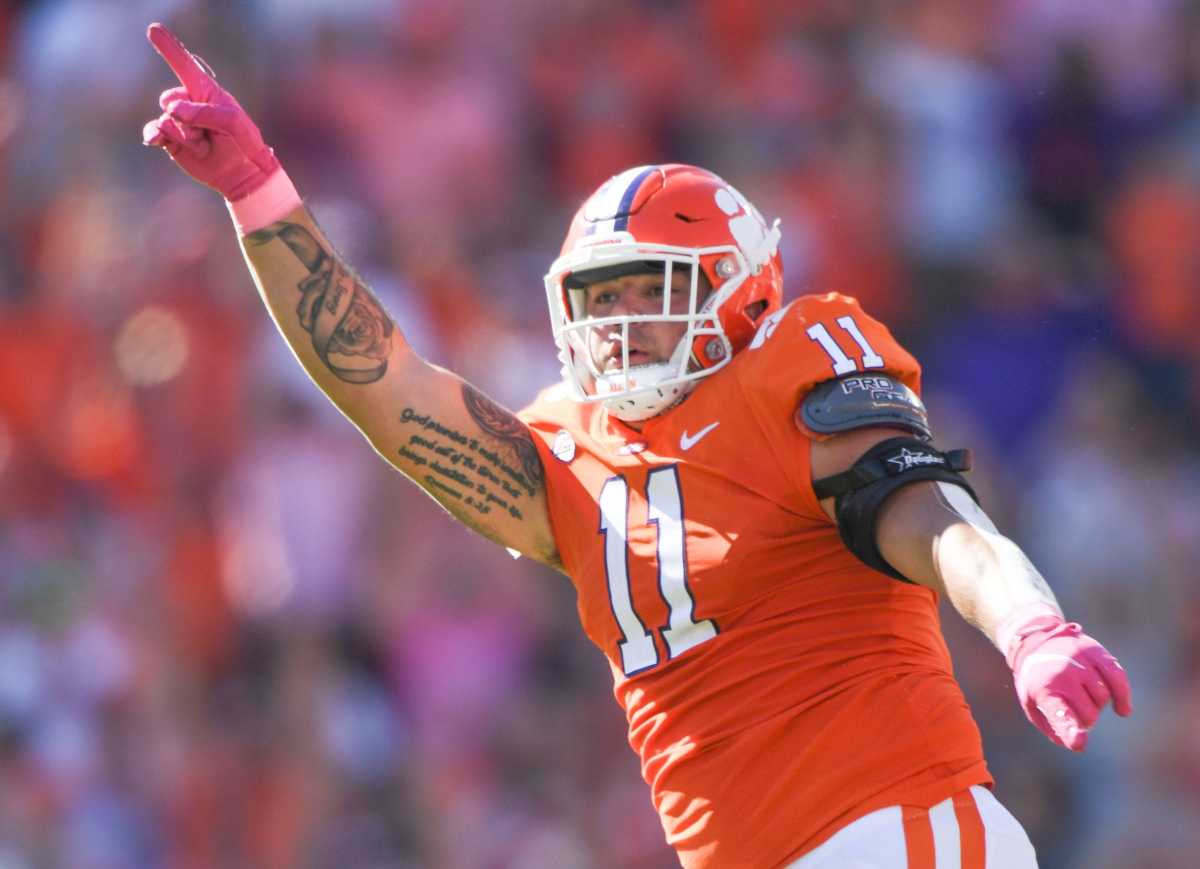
638 651
843 364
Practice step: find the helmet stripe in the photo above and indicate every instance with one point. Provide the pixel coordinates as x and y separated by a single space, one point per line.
622 221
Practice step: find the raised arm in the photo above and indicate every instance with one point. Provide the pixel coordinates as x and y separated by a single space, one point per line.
469 453
934 533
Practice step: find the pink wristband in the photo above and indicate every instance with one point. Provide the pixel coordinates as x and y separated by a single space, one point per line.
275 199
1020 621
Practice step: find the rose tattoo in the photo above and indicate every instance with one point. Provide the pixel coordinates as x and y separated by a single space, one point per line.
350 330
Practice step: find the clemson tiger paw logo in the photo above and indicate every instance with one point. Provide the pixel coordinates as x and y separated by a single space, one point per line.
745 225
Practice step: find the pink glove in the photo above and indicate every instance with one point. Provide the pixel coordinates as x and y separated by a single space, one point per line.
1063 677
212 138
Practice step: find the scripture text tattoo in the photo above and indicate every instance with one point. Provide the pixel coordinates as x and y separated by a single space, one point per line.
464 472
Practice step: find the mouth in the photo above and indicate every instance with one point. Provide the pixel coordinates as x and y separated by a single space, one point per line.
636 357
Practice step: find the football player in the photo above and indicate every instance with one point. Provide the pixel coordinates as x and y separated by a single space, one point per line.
747 498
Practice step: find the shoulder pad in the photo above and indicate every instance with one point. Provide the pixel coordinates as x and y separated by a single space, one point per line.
861 400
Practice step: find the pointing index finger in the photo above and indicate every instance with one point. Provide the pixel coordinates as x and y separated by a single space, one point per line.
187 67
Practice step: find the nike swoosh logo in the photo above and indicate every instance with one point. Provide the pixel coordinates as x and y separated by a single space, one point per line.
686 441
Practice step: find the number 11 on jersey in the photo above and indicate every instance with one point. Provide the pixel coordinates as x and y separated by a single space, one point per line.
665 509
843 364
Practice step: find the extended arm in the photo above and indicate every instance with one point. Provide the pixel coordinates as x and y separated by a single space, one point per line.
473 456
937 536
934 534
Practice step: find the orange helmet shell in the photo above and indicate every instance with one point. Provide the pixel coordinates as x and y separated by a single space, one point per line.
686 206
674 214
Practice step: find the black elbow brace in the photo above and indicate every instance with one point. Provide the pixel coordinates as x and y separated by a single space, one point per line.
881 471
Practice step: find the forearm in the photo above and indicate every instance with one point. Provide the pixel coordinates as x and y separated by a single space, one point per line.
987 577
334 324
936 535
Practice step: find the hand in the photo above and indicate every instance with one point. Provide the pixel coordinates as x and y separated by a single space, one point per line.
1064 678
203 128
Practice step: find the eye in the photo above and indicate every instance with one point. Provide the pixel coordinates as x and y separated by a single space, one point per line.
602 299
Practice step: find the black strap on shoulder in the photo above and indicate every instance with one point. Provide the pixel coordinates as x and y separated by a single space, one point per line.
883 470
892 458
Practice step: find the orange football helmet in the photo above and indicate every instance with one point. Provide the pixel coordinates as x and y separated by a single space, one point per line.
662 219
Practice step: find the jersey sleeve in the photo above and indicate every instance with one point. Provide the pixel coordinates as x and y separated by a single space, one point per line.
555 424
813 340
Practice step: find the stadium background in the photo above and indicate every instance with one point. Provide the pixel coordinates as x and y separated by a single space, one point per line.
229 637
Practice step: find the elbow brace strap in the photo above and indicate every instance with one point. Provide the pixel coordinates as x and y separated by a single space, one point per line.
881 471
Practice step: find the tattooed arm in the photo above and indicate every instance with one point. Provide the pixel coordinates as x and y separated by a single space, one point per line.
471 455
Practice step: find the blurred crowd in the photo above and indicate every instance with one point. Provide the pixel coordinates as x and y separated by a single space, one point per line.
230 636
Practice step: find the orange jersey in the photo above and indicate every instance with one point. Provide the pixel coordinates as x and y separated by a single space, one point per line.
775 687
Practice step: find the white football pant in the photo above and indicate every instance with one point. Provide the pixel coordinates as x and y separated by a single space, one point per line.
971 830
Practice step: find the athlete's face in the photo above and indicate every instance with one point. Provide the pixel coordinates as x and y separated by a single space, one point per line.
638 295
